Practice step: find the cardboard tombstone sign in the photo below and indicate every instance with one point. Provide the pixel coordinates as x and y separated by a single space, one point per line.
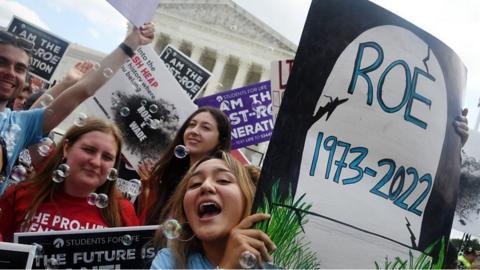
364 139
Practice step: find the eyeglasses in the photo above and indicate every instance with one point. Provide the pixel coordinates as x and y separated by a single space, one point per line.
9 38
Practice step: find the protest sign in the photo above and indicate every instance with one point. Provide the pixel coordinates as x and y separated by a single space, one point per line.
113 248
16 256
49 49
190 75
250 112
279 73
146 103
135 13
365 141
467 212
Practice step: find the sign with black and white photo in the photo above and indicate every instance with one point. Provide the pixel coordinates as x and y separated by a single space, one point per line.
49 49
364 139
112 248
16 256
146 103
467 212
190 75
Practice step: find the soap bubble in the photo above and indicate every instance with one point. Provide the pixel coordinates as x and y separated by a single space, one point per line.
25 158
154 123
51 263
38 249
57 176
112 174
19 173
45 146
127 240
80 120
46 99
102 200
181 151
124 111
92 198
64 170
153 108
135 187
108 72
96 66
171 229
247 260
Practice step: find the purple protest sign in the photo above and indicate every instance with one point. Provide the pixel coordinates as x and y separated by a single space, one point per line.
250 112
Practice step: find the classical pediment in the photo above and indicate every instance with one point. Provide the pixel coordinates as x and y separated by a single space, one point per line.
227 16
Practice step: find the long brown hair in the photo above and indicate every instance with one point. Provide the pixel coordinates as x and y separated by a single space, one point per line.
174 208
42 187
169 170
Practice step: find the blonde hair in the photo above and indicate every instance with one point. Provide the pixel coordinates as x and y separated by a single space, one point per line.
174 208
42 187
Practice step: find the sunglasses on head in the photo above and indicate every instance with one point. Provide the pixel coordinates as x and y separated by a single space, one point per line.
11 39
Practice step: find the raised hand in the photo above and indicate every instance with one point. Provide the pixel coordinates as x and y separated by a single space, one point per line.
242 238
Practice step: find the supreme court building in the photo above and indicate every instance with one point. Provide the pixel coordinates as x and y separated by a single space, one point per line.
236 47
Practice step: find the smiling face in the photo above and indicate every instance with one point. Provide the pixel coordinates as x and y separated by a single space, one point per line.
213 202
201 135
89 158
13 70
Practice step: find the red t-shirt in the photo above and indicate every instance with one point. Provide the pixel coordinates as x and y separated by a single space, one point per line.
64 212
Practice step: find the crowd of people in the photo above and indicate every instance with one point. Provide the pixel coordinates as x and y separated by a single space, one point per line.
74 188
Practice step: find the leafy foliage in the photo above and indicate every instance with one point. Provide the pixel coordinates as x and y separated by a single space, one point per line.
422 262
284 228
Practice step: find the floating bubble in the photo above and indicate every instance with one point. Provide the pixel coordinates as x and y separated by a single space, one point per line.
181 151
46 99
108 72
247 260
154 123
153 108
127 240
135 187
64 169
19 173
112 174
51 263
81 120
124 111
102 200
57 176
171 229
38 249
96 66
92 198
25 158
45 147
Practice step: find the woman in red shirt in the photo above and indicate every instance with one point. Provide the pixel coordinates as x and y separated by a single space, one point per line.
49 201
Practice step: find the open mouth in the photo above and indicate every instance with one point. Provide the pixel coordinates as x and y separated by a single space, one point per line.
208 209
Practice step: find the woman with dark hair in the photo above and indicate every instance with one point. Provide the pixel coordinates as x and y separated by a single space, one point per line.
61 196
206 131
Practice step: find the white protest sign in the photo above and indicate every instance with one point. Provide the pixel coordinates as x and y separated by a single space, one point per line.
279 73
136 12
146 102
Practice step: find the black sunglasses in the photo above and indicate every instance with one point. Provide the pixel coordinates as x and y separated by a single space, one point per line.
9 38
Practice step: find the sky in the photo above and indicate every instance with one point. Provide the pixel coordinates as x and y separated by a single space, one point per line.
95 24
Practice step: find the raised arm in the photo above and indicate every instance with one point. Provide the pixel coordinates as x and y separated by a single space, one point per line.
73 76
69 99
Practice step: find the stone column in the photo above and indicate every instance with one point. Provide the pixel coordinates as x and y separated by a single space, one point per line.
241 75
196 53
217 73
265 76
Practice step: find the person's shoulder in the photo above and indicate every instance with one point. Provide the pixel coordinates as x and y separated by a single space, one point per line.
163 260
